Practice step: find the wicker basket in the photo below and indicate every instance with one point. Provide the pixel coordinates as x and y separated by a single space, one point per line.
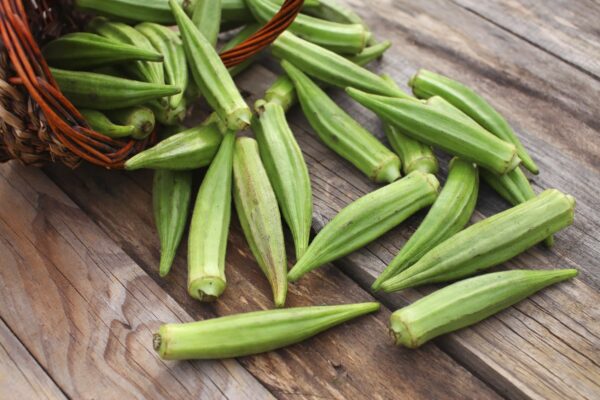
37 123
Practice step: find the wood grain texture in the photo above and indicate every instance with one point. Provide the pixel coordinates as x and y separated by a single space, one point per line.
568 30
85 310
21 377
354 361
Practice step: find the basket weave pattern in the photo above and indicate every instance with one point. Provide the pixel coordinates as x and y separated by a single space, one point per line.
37 123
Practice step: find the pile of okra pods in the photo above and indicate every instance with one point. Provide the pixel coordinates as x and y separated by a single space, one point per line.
130 78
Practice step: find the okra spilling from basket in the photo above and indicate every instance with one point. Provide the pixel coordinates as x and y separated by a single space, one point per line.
135 78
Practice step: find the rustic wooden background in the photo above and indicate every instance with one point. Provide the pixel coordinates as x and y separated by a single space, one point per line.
80 295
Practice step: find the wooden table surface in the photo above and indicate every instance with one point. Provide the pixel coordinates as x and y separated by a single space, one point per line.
80 295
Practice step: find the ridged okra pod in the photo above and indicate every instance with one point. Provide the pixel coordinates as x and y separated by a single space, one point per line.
106 92
341 38
286 169
283 92
258 212
99 122
147 71
206 15
489 242
414 155
132 10
366 219
207 243
82 50
210 75
329 67
332 10
426 84
191 149
342 133
140 117
443 130
168 43
171 195
251 333
370 53
448 215
467 302
514 187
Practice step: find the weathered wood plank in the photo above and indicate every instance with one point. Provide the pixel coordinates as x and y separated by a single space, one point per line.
566 29
21 377
85 310
353 361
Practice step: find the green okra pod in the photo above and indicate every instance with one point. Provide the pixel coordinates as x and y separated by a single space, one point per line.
131 10
282 91
251 333
467 302
426 84
210 225
341 133
448 215
99 122
341 38
171 195
169 116
191 149
258 212
489 242
168 43
329 67
514 187
82 50
442 129
106 92
147 71
371 53
140 117
286 169
206 15
332 10
414 155
366 219
210 75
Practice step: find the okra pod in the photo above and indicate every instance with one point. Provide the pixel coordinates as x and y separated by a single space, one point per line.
105 92
370 53
210 75
206 15
443 130
283 92
251 333
99 122
168 43
147 71
171 196
467 302
341 38
258 212
132 10
341 133
169 116
210 225
82 50
448 215
140 117
366 219
286 169
332 10
190 149
426 84
489 242
414 155
329 67
514 187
